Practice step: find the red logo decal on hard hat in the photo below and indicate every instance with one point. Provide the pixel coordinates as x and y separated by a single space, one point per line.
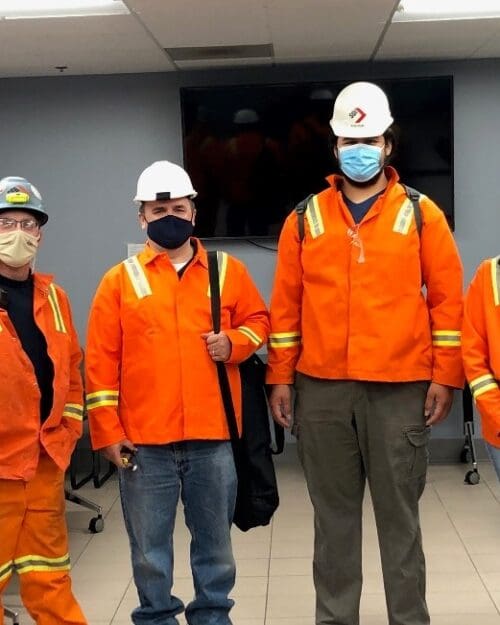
359 113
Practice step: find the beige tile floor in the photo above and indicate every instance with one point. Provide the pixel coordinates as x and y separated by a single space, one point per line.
461 527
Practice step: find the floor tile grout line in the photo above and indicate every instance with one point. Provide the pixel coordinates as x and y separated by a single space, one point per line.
465 548
266 603
121 600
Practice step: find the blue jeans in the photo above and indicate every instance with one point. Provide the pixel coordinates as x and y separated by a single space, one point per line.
494 454
203 473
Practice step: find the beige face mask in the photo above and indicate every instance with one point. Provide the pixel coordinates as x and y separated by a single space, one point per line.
18 248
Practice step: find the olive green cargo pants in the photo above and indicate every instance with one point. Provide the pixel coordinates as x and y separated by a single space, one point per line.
348 432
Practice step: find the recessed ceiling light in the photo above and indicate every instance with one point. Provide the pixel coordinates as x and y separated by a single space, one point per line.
32 9
438 10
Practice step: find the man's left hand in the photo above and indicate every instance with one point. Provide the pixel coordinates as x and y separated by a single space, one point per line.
218 346
438 403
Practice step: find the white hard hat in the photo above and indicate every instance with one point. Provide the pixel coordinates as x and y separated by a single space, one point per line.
361 110
245 116
163 180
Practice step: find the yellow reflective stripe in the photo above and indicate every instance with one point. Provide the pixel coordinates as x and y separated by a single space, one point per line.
404 217
101 393
495 279
73 411
447 338
250 334
483 384
137 277
284 339
32 562
54 303
102 398
314 217
6 570
101 404
1 328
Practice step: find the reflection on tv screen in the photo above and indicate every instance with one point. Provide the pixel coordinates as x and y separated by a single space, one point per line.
253 152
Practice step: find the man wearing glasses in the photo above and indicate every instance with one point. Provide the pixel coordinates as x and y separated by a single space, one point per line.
40 413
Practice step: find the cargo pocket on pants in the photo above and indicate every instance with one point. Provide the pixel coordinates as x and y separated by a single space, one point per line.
418 439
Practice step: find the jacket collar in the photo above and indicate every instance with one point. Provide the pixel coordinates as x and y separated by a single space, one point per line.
336 180
149 255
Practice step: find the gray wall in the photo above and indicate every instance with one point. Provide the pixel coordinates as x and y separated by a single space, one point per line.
84 140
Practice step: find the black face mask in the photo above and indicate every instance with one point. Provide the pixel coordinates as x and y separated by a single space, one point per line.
170 232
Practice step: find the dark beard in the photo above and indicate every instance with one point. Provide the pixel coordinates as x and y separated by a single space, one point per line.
367 183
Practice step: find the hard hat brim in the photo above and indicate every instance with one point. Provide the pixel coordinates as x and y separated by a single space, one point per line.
42 217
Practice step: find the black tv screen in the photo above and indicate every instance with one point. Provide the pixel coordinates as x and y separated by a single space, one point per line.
253 152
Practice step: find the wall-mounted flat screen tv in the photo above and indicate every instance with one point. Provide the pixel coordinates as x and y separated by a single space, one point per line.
254 151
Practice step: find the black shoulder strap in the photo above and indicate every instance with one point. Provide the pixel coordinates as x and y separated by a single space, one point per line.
414 197
225 389
300 209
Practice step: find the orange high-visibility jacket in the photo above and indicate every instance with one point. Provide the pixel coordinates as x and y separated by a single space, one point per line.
481 345
347 302
21 432
149 375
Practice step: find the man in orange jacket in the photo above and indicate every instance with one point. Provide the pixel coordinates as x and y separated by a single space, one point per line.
154 400
481 353
40 414
374 360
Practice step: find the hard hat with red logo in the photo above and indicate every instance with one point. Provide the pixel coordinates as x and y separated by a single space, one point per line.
17 193
361 110
163 180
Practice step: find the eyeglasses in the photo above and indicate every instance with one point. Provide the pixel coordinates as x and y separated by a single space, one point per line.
9 223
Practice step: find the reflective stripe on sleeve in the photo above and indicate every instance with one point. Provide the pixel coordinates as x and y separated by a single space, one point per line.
56 309
30 563
73 411
6 570
102 398
281 340
137 277
314 217
495 279
250 334
446 338
483 384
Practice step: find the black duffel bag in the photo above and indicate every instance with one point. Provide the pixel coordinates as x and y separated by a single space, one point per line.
257 497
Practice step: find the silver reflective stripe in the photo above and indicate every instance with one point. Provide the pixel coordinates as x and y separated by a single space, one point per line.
137 277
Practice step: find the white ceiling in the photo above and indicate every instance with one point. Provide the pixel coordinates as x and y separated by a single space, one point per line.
299 31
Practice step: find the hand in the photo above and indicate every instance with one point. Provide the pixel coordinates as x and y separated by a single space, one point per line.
280 402
438 403
218 346
113 452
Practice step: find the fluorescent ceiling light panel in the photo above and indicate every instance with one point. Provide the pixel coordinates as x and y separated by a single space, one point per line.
439 10
32 9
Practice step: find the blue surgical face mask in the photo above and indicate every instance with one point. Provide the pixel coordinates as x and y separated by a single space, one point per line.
360 162
170 231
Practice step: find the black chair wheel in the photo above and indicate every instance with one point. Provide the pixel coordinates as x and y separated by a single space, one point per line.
472 477
96 525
